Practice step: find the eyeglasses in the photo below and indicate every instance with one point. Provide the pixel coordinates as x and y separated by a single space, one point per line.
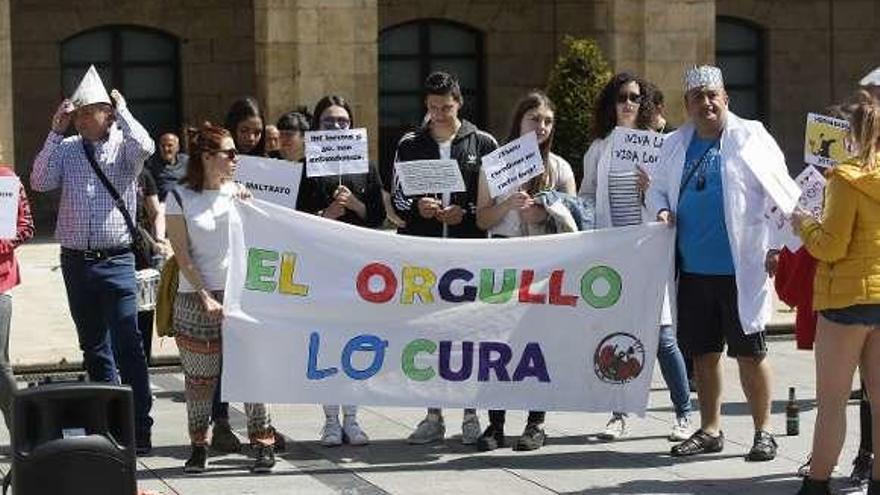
629 97
335 122
231 153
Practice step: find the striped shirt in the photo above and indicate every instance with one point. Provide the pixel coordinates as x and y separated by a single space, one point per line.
87 215
623 196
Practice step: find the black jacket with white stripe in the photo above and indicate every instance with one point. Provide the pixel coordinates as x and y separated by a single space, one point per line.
468 147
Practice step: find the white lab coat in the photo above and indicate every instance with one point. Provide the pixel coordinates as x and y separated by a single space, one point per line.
744 204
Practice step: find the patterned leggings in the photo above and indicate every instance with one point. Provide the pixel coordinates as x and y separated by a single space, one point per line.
200 346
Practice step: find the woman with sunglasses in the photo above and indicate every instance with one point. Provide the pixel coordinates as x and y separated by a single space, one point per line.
354 199
515 215
618 197
197 219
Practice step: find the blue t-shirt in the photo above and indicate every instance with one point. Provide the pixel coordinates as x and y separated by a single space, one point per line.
703 246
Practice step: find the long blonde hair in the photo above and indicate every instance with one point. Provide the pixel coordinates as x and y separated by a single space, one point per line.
865 132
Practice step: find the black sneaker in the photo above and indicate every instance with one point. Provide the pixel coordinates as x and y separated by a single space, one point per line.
491 439
223 440
533 438
699 443
873 487
814 487
862 465
265 459
198 460
763 447
143 444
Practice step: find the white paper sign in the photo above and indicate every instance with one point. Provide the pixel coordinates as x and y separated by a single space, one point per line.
633 148
9 188
338 152
429 177
275 181
824 140
812 185
321 312
513 164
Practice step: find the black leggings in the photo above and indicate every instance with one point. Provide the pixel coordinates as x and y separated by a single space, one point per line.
496 417
866 443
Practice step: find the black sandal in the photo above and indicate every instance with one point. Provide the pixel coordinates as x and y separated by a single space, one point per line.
699 443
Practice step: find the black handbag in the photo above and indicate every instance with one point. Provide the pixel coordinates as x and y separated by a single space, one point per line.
138 243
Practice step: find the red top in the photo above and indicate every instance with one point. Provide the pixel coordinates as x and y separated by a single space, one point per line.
794 285
9 274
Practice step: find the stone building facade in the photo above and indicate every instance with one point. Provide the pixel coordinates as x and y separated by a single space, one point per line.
783 57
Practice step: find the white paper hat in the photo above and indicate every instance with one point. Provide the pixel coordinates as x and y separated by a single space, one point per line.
90 90
704 76
872 79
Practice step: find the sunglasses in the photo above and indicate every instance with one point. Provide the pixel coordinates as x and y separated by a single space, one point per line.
231 153
629 97
335 122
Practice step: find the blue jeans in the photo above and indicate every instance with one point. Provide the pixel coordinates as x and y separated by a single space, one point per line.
102 295
673 369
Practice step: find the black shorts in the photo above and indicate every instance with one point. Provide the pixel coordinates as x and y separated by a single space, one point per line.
708 317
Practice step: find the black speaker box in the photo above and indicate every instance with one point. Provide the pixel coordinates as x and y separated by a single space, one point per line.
73 439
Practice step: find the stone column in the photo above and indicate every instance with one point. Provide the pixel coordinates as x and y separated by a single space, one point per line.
306 49
659 39
6 135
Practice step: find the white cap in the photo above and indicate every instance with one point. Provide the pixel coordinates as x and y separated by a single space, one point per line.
704 76
872 79
90 90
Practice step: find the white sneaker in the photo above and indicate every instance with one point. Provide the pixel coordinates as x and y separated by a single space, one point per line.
470 429
331 435
431 429
681 429
352 433
616 428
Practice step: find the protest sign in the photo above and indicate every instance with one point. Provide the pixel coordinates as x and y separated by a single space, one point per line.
512 165
323 312
824 144
275 181
429 177
631 148
338 152
812 185
9 189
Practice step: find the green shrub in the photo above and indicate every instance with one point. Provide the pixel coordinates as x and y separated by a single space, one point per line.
574 86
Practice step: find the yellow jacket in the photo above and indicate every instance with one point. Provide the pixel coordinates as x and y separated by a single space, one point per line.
847 240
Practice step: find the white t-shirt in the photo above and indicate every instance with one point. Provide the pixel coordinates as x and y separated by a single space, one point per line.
445 149
207 224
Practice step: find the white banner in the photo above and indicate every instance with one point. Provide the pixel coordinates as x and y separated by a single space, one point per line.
338 152
275 181
429 177
512 165
631 148
9 189
322 312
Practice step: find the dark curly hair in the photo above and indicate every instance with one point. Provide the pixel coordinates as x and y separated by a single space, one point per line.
605 116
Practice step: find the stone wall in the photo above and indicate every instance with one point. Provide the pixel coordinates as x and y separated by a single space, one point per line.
7 140
817 50
307 49
216 58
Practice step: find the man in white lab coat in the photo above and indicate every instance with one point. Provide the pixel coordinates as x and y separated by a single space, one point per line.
712 185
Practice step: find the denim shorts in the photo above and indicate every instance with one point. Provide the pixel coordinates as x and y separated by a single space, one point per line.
858 314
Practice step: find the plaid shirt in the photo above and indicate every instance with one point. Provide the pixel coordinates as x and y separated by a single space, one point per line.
87 215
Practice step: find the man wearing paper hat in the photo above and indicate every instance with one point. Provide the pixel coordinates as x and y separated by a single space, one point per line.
714 177
97 261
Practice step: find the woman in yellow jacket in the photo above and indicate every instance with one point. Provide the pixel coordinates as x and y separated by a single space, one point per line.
846 241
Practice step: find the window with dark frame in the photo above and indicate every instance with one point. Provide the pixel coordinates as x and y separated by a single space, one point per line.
142 63
407 54
740 53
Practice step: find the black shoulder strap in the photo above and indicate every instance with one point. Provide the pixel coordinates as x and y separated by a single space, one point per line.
117 200
697 165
